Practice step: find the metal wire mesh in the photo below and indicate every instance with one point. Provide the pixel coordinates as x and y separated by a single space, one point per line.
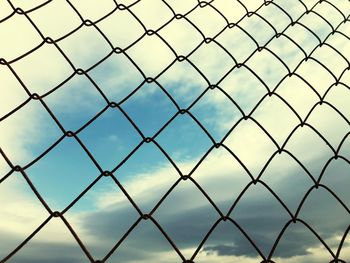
246 116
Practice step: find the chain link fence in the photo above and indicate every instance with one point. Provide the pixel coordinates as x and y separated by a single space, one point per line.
285 9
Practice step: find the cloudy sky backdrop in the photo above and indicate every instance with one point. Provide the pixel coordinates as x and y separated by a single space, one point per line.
154 58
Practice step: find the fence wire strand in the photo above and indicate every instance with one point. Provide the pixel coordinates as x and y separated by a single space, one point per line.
117 105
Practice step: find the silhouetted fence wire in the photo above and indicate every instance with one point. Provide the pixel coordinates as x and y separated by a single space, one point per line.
270 91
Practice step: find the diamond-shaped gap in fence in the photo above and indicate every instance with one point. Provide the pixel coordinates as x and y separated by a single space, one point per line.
343 47
110 138
217 113
121 28
117 77
324 118
267 68
287 51
158 13
12 94
40 133
295 10
181 35
329 220
275 16
147 176
251 145
258 28
298 94
302 37
233 11
145 241
102 216
88 10
33 77
339 40
316 24
200 16
333 14
232 38
21 212
54 24
75 103
227 242
12 45
299 241
63 173
148 115
183 83
331 58
302 140
312 71
151 54
85 47
220 170
273 110
244 88
212 61
178 212
56 240
261 216
287 179
184 141
336 178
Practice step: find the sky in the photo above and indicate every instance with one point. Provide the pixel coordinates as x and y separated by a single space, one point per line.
241 124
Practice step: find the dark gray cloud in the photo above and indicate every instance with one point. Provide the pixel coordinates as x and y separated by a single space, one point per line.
40 252
258 213
59 259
